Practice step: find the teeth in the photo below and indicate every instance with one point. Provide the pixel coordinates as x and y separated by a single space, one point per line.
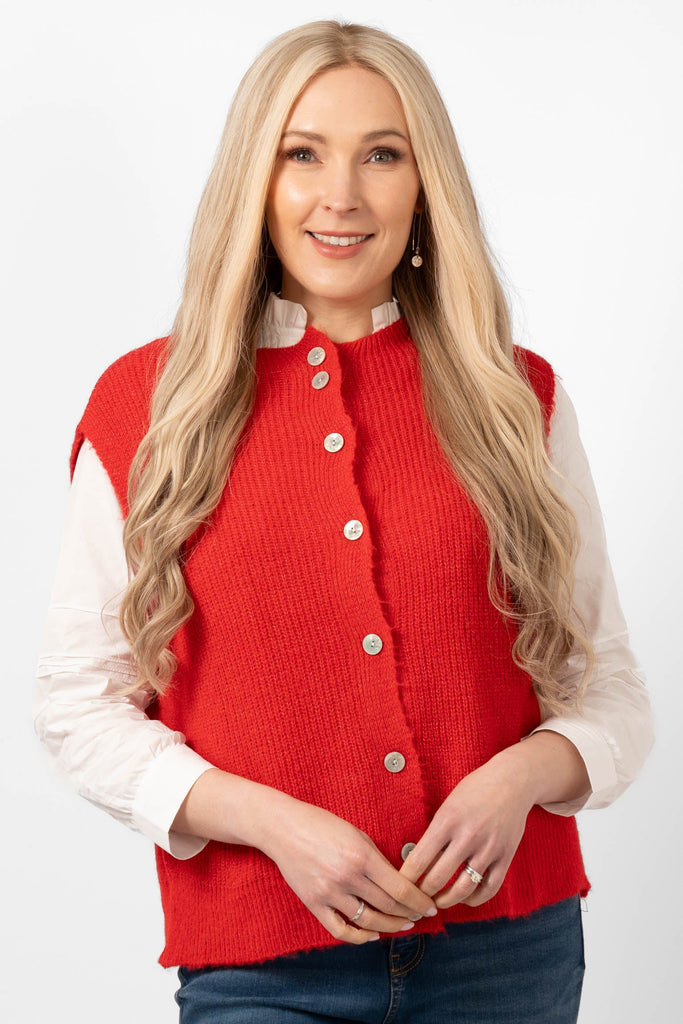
338 240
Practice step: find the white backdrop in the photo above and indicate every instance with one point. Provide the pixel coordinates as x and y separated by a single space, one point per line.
568 114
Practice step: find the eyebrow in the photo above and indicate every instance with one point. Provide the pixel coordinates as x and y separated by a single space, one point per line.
368 137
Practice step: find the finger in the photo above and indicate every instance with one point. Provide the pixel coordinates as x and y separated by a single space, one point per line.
401 889
420 860
371 919
492 882
378 898
442 869
341 929
463 888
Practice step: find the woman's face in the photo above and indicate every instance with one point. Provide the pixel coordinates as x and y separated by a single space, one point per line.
343 192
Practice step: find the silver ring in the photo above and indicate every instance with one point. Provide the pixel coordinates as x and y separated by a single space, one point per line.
361 908
474 875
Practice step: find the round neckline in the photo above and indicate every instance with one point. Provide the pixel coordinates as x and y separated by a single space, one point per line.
394 333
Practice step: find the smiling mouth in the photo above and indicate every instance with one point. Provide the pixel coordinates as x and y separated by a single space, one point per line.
341 240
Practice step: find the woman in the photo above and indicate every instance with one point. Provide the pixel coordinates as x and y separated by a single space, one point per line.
366 560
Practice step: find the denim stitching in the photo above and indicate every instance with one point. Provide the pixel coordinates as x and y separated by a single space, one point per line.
395 980
397 973
417 957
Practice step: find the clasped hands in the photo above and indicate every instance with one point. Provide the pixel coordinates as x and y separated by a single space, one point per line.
356 893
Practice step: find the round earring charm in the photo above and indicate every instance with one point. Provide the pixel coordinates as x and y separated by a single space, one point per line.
415 243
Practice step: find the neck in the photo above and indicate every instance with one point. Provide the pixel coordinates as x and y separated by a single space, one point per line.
340 319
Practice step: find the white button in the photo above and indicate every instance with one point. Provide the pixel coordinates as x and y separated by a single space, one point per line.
353 529
333 442
372 643
320 380
394 761
406 848
316 356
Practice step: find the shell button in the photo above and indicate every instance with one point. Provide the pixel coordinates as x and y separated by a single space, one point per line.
316 356
372 644
320 380
406 849
353 529
333 442
394 761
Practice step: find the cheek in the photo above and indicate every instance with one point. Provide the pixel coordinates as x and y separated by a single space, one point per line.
398 205
287 203
402 222
269 213
274 206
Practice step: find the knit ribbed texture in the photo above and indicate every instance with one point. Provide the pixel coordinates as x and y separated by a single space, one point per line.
274 683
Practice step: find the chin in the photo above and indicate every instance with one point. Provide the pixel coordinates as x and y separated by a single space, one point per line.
338 291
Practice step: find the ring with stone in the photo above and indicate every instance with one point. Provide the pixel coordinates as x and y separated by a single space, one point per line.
474 875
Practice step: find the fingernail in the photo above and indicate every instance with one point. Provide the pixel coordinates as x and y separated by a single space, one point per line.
432 912
373 938
418 917
405 927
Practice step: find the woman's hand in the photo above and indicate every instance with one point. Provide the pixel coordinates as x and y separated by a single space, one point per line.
331 865
482 820
481 823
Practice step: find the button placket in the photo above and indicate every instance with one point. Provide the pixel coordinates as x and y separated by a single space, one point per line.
372 643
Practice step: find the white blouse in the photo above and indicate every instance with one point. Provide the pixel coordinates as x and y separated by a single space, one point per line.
140 771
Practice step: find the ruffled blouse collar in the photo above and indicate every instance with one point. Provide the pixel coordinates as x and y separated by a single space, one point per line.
284 322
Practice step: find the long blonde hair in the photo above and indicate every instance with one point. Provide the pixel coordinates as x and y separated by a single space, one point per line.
484 414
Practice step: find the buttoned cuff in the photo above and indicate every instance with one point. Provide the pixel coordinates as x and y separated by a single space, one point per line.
597 757
160 795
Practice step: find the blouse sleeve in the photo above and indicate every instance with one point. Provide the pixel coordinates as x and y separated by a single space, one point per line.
614 733
117 757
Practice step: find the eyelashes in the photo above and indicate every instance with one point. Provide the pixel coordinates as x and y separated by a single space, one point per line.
289 154
387 153
394 154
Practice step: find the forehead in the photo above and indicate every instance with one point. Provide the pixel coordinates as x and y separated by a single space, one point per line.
347 98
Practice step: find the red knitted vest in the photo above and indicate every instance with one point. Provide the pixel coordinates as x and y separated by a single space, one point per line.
274 682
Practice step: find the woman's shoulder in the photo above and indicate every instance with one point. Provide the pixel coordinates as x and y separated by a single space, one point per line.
139 368
532 360
539 375
116 416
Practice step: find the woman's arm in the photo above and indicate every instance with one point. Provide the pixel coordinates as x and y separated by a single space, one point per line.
135 768
614 732
581 760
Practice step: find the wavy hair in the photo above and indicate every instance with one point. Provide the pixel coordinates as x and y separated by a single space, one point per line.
484 412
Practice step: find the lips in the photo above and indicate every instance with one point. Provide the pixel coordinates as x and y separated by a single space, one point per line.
339 240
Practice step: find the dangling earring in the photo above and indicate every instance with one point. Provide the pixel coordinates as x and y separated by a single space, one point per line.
417 259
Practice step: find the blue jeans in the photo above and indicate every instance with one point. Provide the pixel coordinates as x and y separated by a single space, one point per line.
525 970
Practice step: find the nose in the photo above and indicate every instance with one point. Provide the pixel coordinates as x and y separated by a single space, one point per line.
340 189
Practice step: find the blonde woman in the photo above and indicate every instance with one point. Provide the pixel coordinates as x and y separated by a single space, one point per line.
361 658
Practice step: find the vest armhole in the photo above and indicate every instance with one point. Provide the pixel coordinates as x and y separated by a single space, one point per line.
539 376
116 415
79 439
